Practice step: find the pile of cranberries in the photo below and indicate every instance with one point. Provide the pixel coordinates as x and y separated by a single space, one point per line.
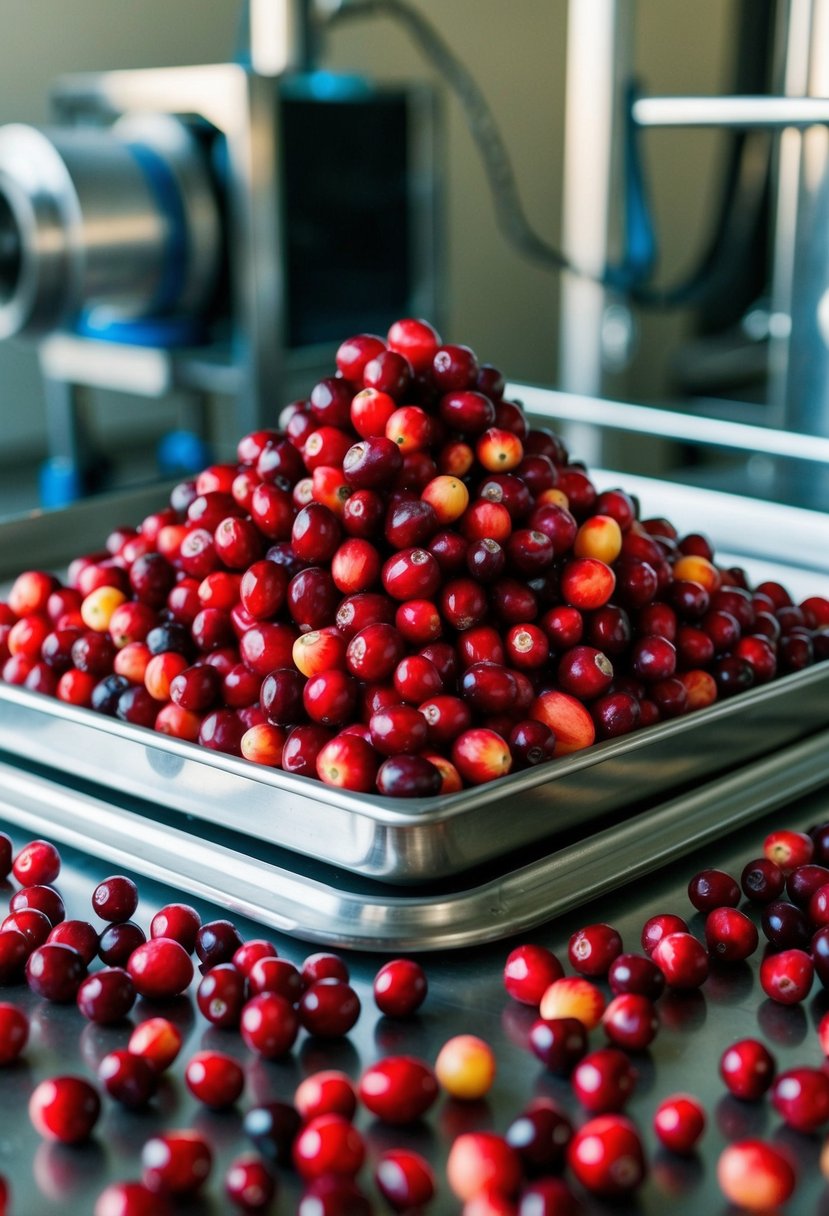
549 1156
405 589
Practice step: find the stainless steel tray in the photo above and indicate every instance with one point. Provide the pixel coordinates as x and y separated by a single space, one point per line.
420 841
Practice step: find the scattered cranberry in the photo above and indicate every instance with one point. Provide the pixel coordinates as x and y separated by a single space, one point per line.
559 1043
14 1032
118 942
272 1128
637 974
269 1025
762 881
478 1160
404 1179
603 1081
329 1008
465 1067
128 1078
107 996
630 1021
65 1109
221 995
787 977
660 926
592 949
179 921
326 1093
37 864
682 959
249 1184
606 1156
398 1089
215 1078
400 988
115 899
801 1097
729 935
713 889
130 1199
679 1121
755 1176
217 942
788 849
55 971
158 1041
176 1163
748 1069
529 971
328 1144
540 1135
160 969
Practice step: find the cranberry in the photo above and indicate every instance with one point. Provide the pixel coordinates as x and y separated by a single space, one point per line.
682 959
221 995
398 1089
328 1144
591 950
465 1067
729 935
329 1008
214 1078
160 969
216 942
106 996
559 1043
14 1032
404 1179
130 1199
479 1160
249 1184
128 1078
406 776
603 1080
788 849
630 1021
804 881
178 921
176 1163
65 1109
606 1156
276 975
762 881
325 1093
636 974
117 943
400 988
786 926
787 977
55 971
679 1121
269 1025
747 1067
6 853
713 889
529 971
37 864
660 926
755 1176
45 899
79 934
540 1135
272 1127
115 899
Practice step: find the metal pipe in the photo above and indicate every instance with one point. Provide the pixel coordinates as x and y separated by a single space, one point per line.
738 113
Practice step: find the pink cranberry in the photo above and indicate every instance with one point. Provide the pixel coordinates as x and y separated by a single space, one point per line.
65 1109
755 1176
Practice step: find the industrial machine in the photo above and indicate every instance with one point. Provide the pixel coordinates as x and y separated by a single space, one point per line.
177 231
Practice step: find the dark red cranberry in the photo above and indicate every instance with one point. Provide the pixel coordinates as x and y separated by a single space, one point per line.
216 942
272 1128
630 1021
762 881
405 776
786 926
128 1078
531 743
45 899
176 1163
115 899
540 1135
118 941
329 1008
804 881
281 696
559 1043
106 996
713 889
221 995
249 1184
404 1179
55 971
14 951
591 950
179 921
636 973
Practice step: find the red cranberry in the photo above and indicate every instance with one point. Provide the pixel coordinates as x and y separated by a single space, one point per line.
130 1199
269 1025
404 1179
250 1185
65 1109
221 995
801 1097
45 899
328 1144
630 1021
540 1135
55 971
216 942
329 1008
755 1176
398 1089
803 882
747 1067
79 934
679 1121
606 1156
729 935
682 959
214 1078
276 975
603 1081
176 1163
128 1078
592 949
107 996
788 849
37 864
115 899
6 853
660 926
160 969
325 1093
400 988
787 977
178 921
529 971
14 1032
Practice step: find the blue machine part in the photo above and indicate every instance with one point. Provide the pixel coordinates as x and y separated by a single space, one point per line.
60 482
183 452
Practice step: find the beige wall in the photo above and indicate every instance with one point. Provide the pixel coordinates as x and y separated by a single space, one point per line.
499 303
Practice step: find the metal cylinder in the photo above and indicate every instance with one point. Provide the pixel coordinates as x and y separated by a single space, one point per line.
116 223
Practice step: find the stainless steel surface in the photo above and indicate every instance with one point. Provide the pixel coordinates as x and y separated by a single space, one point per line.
414 841
326 908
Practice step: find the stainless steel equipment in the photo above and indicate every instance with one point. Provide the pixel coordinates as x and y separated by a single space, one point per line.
161 237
